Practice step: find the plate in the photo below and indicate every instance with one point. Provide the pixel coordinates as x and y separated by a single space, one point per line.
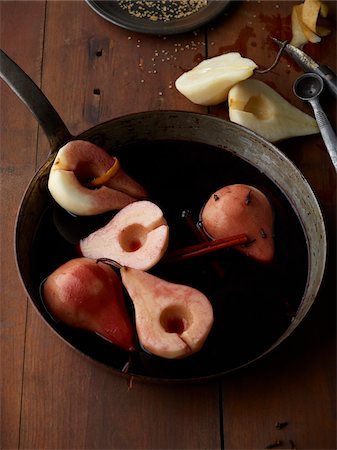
116 14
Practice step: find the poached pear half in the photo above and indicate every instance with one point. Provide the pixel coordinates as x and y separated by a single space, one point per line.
172 320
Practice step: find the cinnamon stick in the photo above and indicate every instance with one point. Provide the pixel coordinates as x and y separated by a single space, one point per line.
203 248
202 237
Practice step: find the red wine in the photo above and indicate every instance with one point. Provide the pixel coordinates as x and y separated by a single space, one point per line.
253 303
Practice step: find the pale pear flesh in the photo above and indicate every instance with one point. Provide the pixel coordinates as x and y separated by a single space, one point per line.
255 105
210 81
78 160
137 236
172 320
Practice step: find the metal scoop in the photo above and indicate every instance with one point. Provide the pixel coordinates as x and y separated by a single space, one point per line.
308 87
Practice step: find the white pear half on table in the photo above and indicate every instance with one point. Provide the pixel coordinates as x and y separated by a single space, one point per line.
137 236
172 320
209 82
257 106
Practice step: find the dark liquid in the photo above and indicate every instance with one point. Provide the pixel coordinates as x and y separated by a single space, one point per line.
253 303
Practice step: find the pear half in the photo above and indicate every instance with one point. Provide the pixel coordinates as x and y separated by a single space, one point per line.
257 106
137 236
172 320
78 161
240 208
209 82
89 295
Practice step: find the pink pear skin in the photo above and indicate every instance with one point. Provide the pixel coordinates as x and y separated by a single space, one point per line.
78 162
237 209
85 294
172 320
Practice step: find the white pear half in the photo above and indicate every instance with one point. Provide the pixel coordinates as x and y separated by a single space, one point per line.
80 160
172 320
257 106
137 236
209 82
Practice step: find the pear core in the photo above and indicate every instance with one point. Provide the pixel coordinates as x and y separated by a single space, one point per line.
255 105
137 236
175 319
172 320
79 161
133 237
260 106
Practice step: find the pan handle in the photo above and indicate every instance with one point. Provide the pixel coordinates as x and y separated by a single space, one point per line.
25 88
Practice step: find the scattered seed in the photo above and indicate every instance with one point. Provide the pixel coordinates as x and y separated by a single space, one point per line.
165 10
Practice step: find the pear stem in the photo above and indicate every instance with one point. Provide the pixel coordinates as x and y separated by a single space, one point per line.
206 247
198 231
201 236
276 61
110 262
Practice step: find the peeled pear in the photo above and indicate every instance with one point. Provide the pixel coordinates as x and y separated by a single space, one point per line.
304 22
137 236
237 209
299 39
172 320
89 295
209 82
75 164
257 106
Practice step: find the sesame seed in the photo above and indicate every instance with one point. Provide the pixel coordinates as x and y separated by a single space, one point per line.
165 10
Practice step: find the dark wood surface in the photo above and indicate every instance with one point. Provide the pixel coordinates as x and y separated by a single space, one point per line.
51 396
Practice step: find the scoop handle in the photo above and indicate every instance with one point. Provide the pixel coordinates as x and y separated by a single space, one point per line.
326 130
329 77
25 88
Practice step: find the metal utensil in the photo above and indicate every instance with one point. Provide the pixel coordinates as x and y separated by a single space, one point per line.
309 65
308 88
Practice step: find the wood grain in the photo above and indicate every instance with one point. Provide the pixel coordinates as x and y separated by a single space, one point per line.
51 396
297 383
103 410
18 140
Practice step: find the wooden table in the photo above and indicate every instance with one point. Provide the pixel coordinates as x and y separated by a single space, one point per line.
51 396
